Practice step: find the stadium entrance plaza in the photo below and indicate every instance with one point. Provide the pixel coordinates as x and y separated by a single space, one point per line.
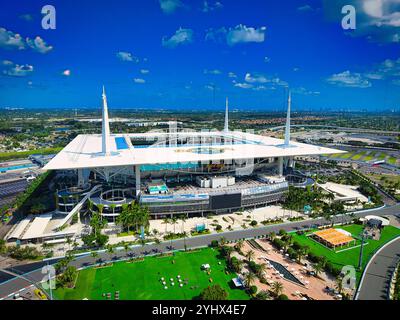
235 219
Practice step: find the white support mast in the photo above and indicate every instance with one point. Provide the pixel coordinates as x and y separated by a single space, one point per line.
287 129
226 126
105 133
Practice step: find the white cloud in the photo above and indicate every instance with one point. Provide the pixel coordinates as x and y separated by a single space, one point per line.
7 63
396 82
215 71
216 35
208 7
267 59
19 70
305 8
243 85
232 75
27 17
38 45
242 34
11 40
66 73
181 36
295 69
126 56
139 80
170 6
349 79
210 87
255 78
304 91
144 71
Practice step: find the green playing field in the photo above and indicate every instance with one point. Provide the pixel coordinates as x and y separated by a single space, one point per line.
141 279
350 256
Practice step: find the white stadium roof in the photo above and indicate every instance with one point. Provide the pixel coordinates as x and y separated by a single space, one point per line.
85 151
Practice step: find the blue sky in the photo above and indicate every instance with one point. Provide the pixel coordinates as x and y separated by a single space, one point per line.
191 54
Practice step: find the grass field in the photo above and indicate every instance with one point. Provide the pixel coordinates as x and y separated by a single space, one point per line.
141 280
349 257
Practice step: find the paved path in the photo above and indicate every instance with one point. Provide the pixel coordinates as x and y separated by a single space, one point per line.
376 279
33 271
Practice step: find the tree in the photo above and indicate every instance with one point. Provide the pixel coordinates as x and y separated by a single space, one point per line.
214 292
339 283
37 208
239 245
318 267
250 255
277 288
165 221
249 279
262 295
262 267
174 221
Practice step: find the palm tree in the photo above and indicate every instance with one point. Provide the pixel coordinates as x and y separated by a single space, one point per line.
222 241
126 248
339 283
239 245
165 221
94 254
262 267
318 268
272 236
174 221
183 219
249 279
250 255
277 288
110 249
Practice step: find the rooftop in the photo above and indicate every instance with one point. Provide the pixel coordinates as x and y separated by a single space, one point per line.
85 151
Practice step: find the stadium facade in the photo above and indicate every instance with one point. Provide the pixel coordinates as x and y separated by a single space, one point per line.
176 171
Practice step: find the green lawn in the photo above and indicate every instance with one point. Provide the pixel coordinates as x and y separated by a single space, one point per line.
349 257
359 155
141 280
392 160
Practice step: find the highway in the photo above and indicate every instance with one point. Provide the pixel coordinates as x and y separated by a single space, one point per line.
33 271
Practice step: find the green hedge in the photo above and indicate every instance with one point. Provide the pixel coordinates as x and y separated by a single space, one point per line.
24 154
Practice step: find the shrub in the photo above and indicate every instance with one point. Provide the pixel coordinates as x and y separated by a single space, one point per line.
253 223
282 297
214 244
214 292
253 290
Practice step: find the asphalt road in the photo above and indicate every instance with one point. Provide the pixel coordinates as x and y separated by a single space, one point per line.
376 280
33 271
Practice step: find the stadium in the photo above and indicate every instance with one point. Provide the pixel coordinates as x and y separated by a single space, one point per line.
177 171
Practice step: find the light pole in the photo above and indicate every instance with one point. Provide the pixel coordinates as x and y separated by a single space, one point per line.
50 284
361 250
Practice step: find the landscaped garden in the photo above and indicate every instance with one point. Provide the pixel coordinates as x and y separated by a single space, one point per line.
141 278
340 258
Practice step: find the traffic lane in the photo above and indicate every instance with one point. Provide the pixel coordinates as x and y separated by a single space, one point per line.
377 277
